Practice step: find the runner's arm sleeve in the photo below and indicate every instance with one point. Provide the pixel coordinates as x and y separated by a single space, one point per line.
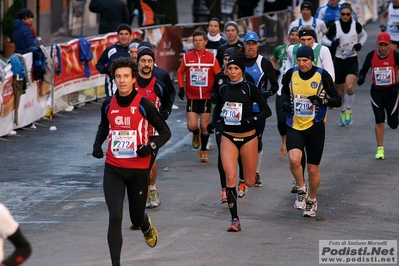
150 112
327 62
362 33
180 73
22 250
367 64
263 106
333 99
165 97
103 127
271 76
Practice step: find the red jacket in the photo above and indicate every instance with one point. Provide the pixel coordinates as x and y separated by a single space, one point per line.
200 69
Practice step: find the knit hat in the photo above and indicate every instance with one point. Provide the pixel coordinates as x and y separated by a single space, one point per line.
145 51
229 51
306 4
134 45
307 33
124 26
305 51
238 60
230 23
24 13
294 29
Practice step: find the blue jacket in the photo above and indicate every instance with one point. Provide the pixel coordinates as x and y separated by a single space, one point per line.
23 37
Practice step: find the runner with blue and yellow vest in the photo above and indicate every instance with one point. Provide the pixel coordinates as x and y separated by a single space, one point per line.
307 92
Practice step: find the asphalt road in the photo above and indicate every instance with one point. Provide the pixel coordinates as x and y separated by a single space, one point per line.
54 190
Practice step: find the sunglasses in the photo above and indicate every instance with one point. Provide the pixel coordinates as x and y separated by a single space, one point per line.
346 14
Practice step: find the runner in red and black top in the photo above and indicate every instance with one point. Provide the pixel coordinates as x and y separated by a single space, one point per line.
384 62
124 120
153 89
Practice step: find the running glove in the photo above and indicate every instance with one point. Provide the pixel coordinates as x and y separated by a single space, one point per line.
144 150
335 43
357 47
164 113
383 27
97 150
181 93
266 94
315 100
286 106
360 81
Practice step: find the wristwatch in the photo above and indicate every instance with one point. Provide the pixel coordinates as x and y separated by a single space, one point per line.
153 145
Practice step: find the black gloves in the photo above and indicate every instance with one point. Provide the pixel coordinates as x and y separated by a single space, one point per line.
97 150
357 47
106 71
316 100
181 93
266 94
286 106
144 150
164 113
383 27
278 72
335 43
360 81
210 128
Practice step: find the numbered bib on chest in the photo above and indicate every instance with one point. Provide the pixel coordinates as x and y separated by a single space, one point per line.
124 143
232 113
303 106
199 77
383 76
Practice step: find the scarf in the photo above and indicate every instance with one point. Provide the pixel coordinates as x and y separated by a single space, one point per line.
215 38
32 30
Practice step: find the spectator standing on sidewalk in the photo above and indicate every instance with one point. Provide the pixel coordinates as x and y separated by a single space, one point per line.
112 14
124 120
199 68
384 62
24 34
215 38
10 229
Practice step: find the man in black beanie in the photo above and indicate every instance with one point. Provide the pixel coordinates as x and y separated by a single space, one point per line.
156 91
307 92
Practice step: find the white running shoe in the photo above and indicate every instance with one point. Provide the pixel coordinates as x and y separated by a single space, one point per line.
301 197
311 208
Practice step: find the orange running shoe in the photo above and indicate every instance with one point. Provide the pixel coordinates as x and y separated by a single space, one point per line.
235 225
223 198
204 157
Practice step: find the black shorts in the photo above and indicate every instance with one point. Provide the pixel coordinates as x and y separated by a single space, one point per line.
199 106
311 139
385 100
345 67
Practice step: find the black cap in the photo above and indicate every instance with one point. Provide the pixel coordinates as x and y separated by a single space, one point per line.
239 60
305 51
306 4
124 26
